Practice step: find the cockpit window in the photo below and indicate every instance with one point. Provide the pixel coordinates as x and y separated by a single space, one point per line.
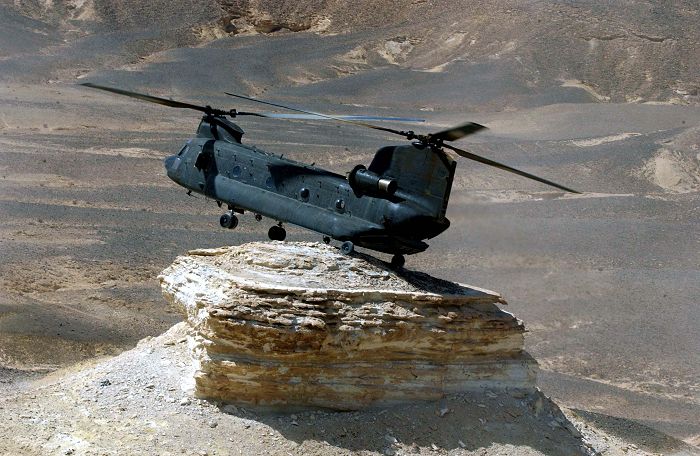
184 149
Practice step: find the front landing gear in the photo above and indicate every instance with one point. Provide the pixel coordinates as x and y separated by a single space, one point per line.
228 220
397 261
277 233
347 247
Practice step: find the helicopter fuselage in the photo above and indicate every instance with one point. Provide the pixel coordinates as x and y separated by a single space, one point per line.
392 206
397 221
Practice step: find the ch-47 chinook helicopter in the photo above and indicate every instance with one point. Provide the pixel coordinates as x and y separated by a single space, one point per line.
392 206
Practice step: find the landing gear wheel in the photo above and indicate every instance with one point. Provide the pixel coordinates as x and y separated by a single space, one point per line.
347 248
326 240
228 220
397 261
277 233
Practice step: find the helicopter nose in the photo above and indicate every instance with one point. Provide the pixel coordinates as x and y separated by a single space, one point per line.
171 164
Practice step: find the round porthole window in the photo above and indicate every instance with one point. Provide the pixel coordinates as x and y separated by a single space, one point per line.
236 171
304 194
340 205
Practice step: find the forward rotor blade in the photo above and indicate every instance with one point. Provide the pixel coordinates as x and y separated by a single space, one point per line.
455 133
486 161
326 116
275 115
149 98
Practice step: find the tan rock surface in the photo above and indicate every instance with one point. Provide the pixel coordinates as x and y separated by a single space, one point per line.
299 324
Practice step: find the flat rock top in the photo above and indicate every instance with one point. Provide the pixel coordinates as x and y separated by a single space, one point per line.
318 268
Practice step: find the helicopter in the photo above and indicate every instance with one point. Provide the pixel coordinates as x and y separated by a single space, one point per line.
391 206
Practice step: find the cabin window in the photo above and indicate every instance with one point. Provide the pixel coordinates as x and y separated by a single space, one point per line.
304 194
236 171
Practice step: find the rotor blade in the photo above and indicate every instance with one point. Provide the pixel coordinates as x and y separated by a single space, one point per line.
244 113
455 133
486 161
339 119
275 115
149 98
172 103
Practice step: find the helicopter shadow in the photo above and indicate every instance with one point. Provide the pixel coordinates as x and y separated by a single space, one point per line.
429 284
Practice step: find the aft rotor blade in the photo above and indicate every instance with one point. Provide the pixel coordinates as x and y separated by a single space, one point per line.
455 133
275 115
486 161
326 116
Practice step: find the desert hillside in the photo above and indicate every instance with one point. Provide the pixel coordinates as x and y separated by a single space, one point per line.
623 52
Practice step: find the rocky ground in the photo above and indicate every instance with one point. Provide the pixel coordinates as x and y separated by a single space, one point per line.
602 98
140 403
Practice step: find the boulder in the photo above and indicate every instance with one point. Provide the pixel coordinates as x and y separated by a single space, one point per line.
299 325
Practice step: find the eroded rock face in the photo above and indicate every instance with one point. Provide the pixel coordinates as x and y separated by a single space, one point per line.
300 325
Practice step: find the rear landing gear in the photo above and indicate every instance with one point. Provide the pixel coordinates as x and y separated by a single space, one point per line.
228 220
277 233
397 261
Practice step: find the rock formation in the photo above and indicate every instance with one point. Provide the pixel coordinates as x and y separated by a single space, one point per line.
300 325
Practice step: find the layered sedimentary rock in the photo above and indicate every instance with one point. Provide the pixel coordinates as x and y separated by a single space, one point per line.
301 325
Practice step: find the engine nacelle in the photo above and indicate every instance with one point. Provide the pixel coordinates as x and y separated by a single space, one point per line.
365 182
